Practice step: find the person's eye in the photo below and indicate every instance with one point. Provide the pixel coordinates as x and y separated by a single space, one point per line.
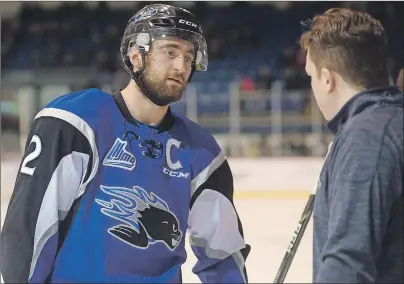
170 53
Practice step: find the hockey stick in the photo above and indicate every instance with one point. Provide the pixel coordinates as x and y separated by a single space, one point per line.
299 232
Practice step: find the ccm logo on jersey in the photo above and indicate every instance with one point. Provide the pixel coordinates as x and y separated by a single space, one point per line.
174 167
188 23
119 157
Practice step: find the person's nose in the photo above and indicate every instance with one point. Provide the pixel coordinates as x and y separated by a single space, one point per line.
180 64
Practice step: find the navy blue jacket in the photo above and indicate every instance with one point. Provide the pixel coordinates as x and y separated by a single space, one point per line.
358 214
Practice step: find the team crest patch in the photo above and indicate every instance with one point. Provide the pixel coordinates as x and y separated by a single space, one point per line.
146 218
119 157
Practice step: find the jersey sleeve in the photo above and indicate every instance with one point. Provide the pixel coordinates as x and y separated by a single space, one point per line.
215 230
60 158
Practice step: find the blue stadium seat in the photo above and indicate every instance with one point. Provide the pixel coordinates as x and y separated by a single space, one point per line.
75 26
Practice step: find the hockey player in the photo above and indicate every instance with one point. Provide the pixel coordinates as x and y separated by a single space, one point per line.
110 183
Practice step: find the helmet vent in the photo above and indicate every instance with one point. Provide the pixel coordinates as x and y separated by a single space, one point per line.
163 23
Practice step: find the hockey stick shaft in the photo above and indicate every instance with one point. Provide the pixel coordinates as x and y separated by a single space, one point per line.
298 233
297 237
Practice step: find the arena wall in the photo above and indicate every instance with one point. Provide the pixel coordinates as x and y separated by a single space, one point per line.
286 178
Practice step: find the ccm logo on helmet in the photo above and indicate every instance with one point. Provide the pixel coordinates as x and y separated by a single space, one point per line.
188 23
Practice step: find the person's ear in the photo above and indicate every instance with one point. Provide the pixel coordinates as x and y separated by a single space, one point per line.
328 80
136 59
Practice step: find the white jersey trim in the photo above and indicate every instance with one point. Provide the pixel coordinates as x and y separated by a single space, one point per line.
58 199
84 128
204 175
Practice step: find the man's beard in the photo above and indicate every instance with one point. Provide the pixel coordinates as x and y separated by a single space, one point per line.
160 88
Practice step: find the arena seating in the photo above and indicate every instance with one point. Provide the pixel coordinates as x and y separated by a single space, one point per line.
241 39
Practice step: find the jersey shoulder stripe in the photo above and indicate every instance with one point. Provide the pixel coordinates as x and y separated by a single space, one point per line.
80 109
90 105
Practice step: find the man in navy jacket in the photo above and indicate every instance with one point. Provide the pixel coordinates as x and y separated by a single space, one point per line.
358 214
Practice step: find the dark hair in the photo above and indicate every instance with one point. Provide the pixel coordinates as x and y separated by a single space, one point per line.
350 43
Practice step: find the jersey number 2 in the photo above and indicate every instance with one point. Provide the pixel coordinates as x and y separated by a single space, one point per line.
33 155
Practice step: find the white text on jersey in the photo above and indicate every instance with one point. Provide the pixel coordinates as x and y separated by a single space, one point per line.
174 173
174 166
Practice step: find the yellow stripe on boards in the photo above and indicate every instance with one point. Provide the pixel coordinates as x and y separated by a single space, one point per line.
242 194
271 194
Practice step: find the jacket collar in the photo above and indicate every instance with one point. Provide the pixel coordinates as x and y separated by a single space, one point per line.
390 95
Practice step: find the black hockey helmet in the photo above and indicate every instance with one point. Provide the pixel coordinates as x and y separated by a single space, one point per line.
156 21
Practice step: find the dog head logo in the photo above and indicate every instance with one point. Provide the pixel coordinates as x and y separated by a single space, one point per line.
146 218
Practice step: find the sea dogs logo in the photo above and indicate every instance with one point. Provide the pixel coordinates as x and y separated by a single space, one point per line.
146 218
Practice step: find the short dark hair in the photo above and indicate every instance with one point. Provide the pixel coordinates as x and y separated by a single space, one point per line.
351 43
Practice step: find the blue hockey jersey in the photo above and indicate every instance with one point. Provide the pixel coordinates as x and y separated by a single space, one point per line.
101 197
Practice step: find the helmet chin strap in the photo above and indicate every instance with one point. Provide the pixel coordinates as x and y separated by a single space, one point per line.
136 76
